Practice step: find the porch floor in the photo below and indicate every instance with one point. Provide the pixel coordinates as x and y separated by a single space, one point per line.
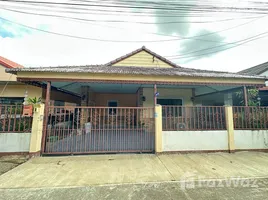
133 168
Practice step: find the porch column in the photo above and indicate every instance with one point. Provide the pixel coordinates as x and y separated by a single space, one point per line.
228 99
155 96
47 102
84 95
230 128
158 129
245 91
84 102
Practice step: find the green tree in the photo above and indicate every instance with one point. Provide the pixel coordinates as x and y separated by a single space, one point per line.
253 94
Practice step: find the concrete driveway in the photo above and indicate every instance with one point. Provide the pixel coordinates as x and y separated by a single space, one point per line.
79 171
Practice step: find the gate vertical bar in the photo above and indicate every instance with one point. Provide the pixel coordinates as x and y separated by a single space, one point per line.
48 88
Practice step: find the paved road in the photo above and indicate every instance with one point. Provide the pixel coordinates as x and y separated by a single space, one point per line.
240 190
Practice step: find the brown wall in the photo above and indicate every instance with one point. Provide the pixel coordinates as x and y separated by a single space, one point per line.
124 100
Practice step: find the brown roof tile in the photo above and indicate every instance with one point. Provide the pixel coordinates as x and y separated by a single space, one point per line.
157 71
256 70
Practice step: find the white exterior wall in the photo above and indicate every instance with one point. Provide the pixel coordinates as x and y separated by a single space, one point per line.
251 139
15 142
194 140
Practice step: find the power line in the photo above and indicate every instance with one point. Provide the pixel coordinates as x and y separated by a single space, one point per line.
188 12
213 52
259 10
136 22
94 39
232 43
178 37
112 12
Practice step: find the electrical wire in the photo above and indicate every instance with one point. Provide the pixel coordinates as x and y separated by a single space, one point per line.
178 37
136 22
213 52
181 56
226 9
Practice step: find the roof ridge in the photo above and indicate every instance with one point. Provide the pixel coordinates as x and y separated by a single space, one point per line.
143 48
9 63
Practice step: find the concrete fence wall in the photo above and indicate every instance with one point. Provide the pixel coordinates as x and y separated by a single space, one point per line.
14 142
213 140
195 140
251 139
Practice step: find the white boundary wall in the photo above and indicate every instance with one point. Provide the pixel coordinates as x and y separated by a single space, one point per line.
15 142
194 140
251 139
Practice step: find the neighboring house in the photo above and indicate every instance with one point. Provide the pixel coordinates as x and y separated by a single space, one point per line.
261 70
13 92
116 112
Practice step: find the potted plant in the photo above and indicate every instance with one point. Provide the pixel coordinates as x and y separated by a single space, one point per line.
34 102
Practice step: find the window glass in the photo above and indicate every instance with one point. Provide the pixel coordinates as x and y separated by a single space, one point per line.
112 104
11 100
58 103
174 109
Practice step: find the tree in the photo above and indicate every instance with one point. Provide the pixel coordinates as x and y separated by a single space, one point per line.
253 94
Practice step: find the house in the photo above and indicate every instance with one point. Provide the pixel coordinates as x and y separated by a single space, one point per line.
261 70
13 92
125 103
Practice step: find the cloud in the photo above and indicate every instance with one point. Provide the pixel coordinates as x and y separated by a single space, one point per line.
182 28
209 45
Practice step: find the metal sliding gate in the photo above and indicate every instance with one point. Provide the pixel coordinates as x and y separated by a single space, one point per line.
81 130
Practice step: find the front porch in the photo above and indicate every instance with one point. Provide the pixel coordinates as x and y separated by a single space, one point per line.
118 94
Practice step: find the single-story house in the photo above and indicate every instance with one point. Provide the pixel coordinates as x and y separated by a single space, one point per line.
117 102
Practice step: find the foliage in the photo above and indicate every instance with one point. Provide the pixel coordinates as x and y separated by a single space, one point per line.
251 118
253 94
34 101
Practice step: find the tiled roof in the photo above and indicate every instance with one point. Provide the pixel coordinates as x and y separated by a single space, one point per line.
256 70
157 71
8 63
143 48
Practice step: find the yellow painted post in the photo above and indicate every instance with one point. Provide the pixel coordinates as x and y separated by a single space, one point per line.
158 129
230 128
37 130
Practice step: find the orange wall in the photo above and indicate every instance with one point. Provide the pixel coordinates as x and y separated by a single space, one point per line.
124 100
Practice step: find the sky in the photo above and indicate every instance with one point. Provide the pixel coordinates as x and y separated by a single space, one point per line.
187 42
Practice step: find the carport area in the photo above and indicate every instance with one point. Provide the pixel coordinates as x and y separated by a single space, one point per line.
76 171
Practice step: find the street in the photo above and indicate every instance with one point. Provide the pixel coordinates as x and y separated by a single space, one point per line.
155 191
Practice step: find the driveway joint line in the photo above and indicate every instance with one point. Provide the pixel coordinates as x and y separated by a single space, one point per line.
173 178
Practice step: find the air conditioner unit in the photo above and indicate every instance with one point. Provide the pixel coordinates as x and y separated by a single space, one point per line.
180 126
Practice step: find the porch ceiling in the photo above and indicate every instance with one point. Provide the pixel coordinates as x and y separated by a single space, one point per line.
75 87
